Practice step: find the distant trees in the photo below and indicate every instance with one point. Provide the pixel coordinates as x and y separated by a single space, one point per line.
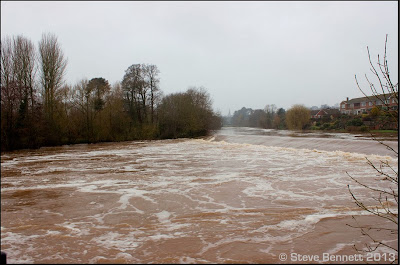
80 109
90 97
272 118
133 85
97 112
268 118
115 114
270 111
241 118
187 114
38 108
297 117
140 84
259 118
280 119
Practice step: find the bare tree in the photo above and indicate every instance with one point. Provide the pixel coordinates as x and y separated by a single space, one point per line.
18 95
141 86
133 85
6 61
10 95
24 67
270 110
52 66
384 191
152 80
82 102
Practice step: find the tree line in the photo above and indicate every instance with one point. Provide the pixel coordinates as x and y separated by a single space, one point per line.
298 117
271 117
38 107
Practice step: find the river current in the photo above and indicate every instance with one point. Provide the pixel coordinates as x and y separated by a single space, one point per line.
241 195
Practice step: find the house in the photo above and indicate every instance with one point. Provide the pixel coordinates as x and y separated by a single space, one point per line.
332 113
314 112
357 106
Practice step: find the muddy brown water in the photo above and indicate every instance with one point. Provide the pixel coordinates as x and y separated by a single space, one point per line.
241 196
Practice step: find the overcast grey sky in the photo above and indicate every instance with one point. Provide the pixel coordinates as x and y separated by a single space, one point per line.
244 53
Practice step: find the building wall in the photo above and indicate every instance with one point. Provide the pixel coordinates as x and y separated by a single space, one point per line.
363 106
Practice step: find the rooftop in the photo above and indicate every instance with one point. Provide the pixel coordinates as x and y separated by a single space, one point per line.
369 98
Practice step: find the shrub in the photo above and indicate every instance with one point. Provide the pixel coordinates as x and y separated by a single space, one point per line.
297 117
354 122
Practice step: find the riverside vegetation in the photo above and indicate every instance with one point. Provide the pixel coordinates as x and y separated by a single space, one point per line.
298 117
38 108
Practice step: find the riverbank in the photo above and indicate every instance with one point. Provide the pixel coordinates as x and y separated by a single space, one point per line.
381 135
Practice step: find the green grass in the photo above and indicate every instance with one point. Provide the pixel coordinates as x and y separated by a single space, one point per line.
384 131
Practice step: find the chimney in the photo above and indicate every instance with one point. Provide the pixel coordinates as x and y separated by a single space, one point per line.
347 99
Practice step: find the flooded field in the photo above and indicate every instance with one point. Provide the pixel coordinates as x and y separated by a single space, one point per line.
241 196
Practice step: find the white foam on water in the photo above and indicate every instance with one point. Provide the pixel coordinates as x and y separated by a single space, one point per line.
125 256
16 254
96 259
175 182
75 184
315 218
296 227
159 236
127 194
163 216
169 226
339 247
124 201
268 251
75 228
53 233
114 240
318 140
190 260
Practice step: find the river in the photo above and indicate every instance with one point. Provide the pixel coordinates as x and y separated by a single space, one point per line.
242 195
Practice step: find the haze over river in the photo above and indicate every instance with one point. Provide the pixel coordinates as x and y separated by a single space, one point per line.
241 196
